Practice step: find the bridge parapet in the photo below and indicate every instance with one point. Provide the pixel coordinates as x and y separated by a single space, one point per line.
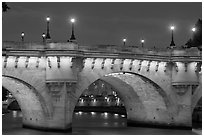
63 49
38 46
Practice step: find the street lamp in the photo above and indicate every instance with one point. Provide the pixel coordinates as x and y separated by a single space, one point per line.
48 29
22 36
43 36
172 37
72 36
124 41
142 41
193 33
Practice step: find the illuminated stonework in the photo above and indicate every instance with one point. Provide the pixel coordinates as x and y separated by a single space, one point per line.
156 87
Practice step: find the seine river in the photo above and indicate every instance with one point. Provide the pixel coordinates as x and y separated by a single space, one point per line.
88 123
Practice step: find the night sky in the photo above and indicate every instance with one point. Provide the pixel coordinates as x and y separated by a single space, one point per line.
103 23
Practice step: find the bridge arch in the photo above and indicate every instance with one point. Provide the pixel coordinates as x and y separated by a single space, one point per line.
32 104
141 105
34 79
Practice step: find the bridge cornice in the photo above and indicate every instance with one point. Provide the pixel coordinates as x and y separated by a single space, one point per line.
102 54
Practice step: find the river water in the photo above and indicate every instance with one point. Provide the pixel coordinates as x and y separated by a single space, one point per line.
87 123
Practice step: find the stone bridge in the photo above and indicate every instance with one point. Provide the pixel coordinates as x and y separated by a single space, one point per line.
157 87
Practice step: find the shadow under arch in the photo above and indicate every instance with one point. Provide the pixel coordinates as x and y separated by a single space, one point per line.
32 104
146 113
128 97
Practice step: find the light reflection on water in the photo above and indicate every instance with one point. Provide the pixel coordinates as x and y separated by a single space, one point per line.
14 113
84 123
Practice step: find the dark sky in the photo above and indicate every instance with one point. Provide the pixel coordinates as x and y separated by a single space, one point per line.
103 23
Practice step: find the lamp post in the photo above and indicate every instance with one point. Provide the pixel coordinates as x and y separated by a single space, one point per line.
172 37
124 41
43 36
48 29
72 35
142 42
22 36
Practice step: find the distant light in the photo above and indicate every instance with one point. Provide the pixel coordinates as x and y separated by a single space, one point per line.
142 41
124 40
80 112
93 113
193 29
116 115
105 113
172 27
122 115
48 18
72 20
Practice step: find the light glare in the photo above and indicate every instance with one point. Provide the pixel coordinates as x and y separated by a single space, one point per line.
48 18
194 29
172 27
22 34
72 20
43 35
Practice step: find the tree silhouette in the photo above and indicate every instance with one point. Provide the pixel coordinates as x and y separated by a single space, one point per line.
196 40
5 7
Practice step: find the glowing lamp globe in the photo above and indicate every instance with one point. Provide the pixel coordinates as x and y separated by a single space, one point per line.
193 29
172 27
72 20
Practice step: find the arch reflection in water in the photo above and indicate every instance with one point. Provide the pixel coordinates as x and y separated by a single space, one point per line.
106 124
116 124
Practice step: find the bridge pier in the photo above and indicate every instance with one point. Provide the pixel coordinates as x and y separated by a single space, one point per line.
183 115
61 118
